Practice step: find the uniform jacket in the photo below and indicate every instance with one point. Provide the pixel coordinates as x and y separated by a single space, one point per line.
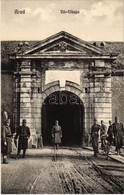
56 134
23 132
103 130
6 132
6 136
118 129
110 134
94 130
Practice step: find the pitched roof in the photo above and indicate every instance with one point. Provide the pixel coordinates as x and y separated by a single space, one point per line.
75 42
8 47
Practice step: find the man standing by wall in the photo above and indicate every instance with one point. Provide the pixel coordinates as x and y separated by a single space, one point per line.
95 137
6 141
103 133
110 133
23 133
118 132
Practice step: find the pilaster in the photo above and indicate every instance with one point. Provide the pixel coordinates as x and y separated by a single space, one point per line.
25 92
102 94
16 96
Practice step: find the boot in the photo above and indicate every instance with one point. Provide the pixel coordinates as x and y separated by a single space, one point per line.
5 160
57 146
18 154
17 157
23 153
95 154
118 152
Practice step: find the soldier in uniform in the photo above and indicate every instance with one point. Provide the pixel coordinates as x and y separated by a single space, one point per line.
118 132
56 134
110 133
23 133
103 134
95 136
6 141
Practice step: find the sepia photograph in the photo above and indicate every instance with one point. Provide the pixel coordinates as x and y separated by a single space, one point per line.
62 97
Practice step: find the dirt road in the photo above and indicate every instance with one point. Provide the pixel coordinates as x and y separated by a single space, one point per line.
72 171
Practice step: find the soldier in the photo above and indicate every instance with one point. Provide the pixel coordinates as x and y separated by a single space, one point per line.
23 132
95 137
103 134
6 141
108 140
56 134
118 132
110 133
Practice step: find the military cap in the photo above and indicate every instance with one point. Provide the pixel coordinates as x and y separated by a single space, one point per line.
24 121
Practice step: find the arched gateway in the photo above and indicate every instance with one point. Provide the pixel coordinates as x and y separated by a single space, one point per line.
68 109
51 76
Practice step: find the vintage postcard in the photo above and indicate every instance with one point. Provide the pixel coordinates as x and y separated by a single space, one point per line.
62 96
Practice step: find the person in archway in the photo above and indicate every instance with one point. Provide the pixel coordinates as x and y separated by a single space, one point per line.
95 133
23 133
118 132
56 134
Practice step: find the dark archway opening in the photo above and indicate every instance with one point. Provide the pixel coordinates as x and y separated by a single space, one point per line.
67 108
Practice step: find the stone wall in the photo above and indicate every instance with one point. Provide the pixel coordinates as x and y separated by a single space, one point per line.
7 100
7 96
118 98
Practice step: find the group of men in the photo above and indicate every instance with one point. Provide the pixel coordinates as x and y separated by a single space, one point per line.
23 134
100 134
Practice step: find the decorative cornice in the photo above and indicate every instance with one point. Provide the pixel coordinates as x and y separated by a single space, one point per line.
63 56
